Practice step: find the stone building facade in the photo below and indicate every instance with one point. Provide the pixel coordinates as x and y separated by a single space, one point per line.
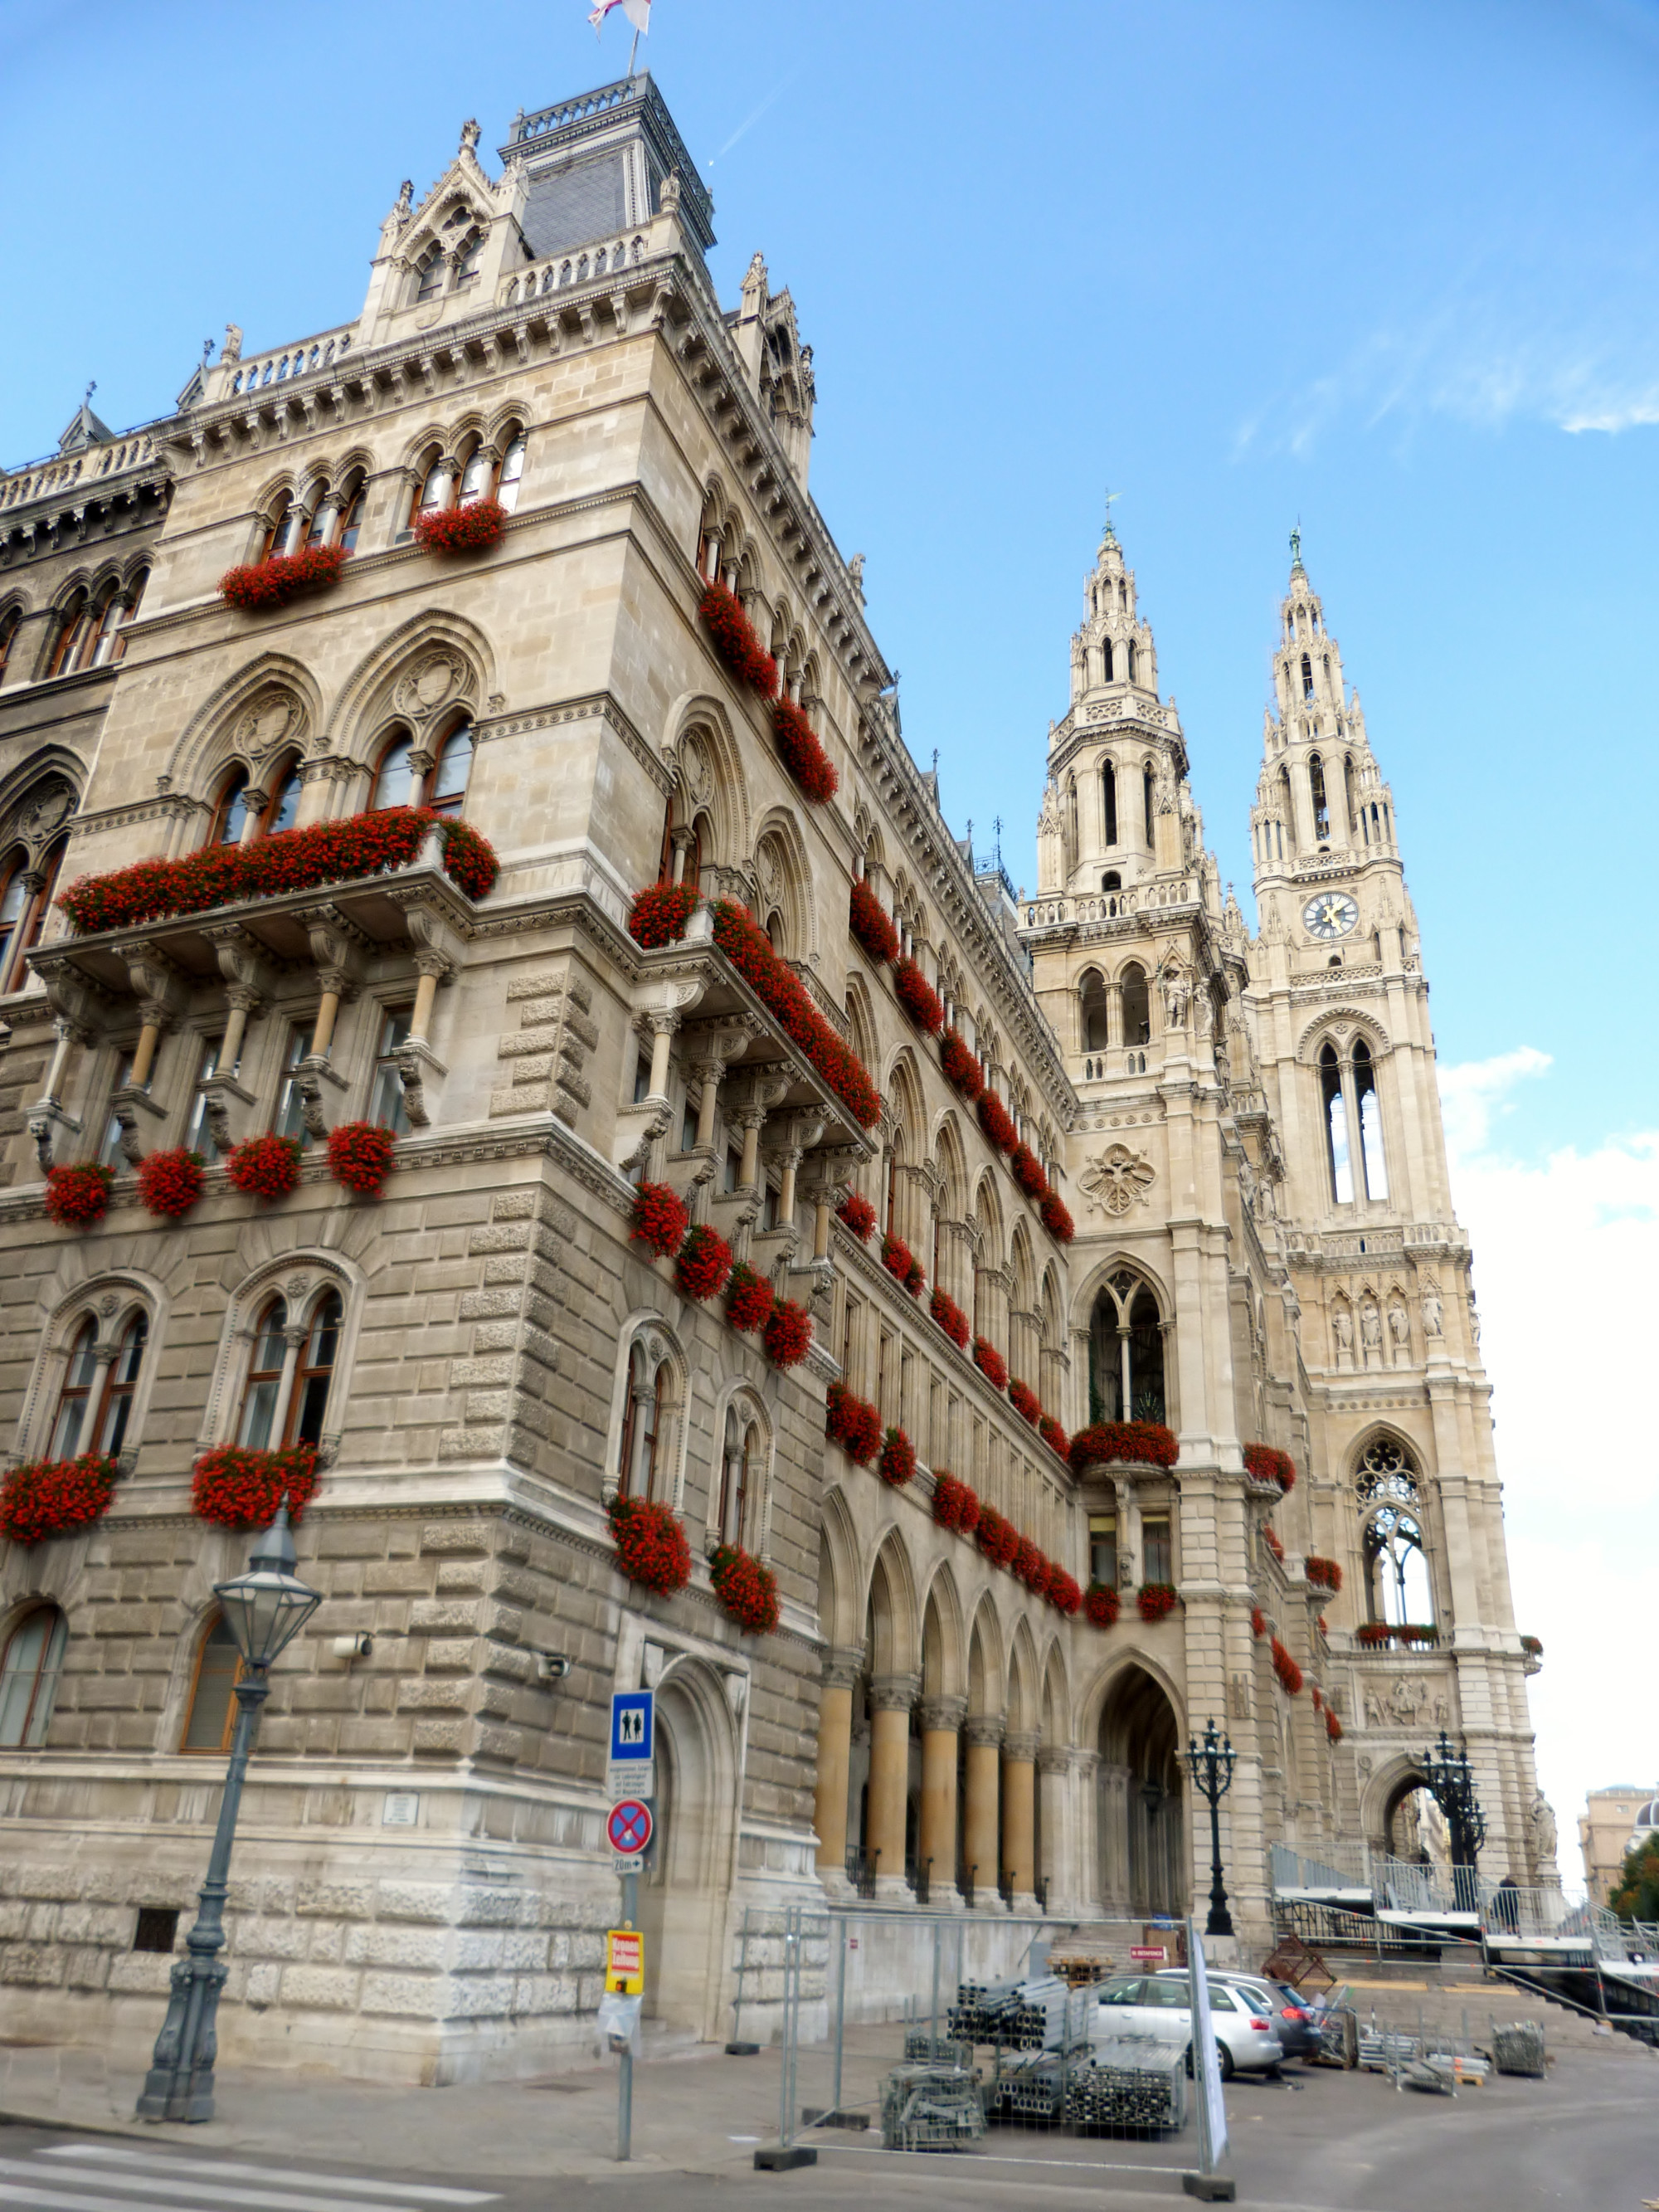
1245 1129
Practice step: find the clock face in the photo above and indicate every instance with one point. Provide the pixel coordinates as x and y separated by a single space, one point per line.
1333 914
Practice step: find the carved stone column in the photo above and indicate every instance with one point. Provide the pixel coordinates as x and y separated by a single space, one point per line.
891 1696
982 1839
1019 1817
936 1836
842 1669
1058 1859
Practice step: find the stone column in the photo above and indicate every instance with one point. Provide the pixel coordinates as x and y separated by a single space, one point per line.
980 1818
1085 1805
841 1673
1060 1827
891 1696
1114 1782
1019 1817
936 1839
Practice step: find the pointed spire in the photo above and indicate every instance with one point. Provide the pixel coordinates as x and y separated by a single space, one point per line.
1297 568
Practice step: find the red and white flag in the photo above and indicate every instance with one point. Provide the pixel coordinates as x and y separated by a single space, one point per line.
638 13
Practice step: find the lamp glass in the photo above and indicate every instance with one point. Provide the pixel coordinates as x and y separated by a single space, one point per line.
265 1611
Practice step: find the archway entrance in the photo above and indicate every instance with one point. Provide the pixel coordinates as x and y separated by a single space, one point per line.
1414 1827
684 1896
1142 1825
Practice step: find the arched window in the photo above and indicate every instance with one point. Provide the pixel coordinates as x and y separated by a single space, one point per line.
75 632
477 478
75 1406
1125 1353
1129 659
13 904
1336 1126
28 1678
466 265
1111 881
394 780
276 530
1398 1588
1071 838
110 642
434 492
1106 660
1322 812
1307 678
454 767
1287 808
643 1423
284 808
317 532
211 1720
1148 790
230 811
739 1462
1137 1004
8 623
314 1373
262 1388
430 273
1093 1010
1368 1100
512 472
1108 801
351 521
122 1383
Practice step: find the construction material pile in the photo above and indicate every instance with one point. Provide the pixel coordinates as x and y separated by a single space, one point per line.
931 2108
1032 2085
921 2049
1034 2016
1129 2082
1519 2048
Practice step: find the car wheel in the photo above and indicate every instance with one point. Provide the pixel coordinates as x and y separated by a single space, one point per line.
1226 2058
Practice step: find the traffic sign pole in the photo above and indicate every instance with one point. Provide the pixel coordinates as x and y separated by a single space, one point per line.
630 1906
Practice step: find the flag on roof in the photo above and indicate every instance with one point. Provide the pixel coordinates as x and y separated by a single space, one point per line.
638 13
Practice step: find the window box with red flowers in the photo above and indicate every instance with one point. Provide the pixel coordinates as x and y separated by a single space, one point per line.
1333 1726
236 1487
787 1336
1258 1621
1264 1464
895 1257
78 1197
1024 1400
750 1301
1057 1219
1030 1565
1156 1600
659 915
1055 1437
990 1363
1317 1697
259 585
1134 1444
360 1156
955 1505
996 1537
997 1122
265 1166
659 1219
1101 1605
918 998
1064 1592
55 1496
961 1068
703 1264
951 1318
1273 1544
652 1547
470 529
1321 1574
1289 1674
747 1591
1027 1171
746 946
734 640
346 851
856 1214
852 1423
801 750
169 1183
870 922
898 1463
1378 1635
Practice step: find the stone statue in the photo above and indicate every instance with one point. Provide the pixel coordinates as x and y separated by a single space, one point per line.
232 348
1431 1311
1342 1324
669 198
469 135
1176 994
1400 1328
405 199
1371 1327
1543 1832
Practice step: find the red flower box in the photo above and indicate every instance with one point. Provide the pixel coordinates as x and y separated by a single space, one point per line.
852 1423
748 1592
1258 1621
749 949
1533 1648
1024 1400
1289 1674
1027 1170
1156 1600
895 1256
292 860
735 640
54 1497
749 1302
1265 1463
869 922
918 998
1053 1436
997 1122
955 1505
1029 1566
265 1166
260 584
1333 1726
1318 1697
703 1265
997 1538
1323 1574
856 1214
1273 1544
990 1363
787 1336
951 1318
1144 1443
898 1463
360 1156
659 1219
651 1545
169 1183
915 1280
961 1068
237 1488
468 529
1064 1592
1057 1218
659 913
801 750
1101 1605
78 1196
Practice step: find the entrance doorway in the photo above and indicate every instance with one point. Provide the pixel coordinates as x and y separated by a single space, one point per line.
1142 1824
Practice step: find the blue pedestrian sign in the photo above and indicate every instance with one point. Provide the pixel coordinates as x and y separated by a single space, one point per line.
632 1728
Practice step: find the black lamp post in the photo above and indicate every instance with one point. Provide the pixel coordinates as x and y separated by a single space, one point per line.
1450 1780
1212 1766
266 1609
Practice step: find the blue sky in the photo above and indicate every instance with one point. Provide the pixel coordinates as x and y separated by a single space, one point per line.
1392 267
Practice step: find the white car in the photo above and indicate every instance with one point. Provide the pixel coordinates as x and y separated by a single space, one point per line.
1247 2040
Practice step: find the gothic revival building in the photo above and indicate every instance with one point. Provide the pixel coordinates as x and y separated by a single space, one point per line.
484 1358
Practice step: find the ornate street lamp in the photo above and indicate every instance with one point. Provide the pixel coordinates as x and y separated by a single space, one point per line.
1450 1780
1212 1766
265 1609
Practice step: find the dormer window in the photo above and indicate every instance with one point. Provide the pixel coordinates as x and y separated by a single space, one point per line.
466 268
429 274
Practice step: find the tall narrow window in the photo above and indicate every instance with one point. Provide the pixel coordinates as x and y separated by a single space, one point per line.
1129 659
321 513
198 1135
386 1099
351 521
265 1378
430 273
512 472
451 775
1106 659
314 1373
475 478
1072 842
121 1385
28 1678
1102 1549
290 1120
230 814
1108 801
1322 812
9 626
1092 1011
466 267
1336 1126
109 644
1147 793
110 1151
1137 1004
434 491
742 1448
276 528
212 1718
13 900
1146 1348
394 783
73 633
1157 1548
75 1399
1307 678
284 810
1368 1100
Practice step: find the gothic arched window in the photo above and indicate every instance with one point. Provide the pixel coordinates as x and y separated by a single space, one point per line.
211 1718
230 810
1106 659
1148 787
28 1678
1126 1353
1399 1588
263 1384
394 779
644 1423
1322 812
120 1385
282 811
1369 1101
1307 678
477 478
739 1463
1109 800
466 265
1336 1126
447 793
430 273
1129 659
74 1398
1093 1010
506 489
1137 1004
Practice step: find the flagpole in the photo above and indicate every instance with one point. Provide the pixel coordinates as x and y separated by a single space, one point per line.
632 51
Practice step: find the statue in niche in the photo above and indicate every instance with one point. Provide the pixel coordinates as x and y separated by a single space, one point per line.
1400 1328
1342 1328
1370 1327
1431 1311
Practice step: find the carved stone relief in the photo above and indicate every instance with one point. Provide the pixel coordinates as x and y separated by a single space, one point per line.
1117 1180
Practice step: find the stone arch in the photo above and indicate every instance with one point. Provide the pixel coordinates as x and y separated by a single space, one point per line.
431 664
39 800
1025 1707
951 1159
739 1397
783 883
706 763
1056 1697
944 1648
1396 1778
892 1620
1339 1026
109 1298
237 724
987 1680
684 1901
839 1579
1140 1815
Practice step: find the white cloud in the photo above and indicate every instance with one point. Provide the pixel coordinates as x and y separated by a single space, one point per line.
1566 1256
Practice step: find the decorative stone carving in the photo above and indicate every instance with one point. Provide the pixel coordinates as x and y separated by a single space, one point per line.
1118 1179
430 685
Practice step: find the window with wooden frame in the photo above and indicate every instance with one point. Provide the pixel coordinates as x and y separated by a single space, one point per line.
453 770
210 1718
28 1678
121 1384
321 515
643 1423
276 529
1157 1548
739 1464
72 1421
313 1373
230 810
73 632
198 1134
507 487
394 777
109 1151
262 1387
352 519
433 489
386 1099
290 1119
15 901
282 807
477 477
9 626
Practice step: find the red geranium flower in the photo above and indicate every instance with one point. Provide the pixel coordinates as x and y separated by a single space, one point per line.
466 529
802 752
960 1068
1258 1621
53 1496
918 998
788 1337
955 1505
748 1592
1053 1436
997 1122
735 640
951 1318
749 1302
869 922
996 1537
1265 1463
1323 1574
1056 1217
915 1280
704 1263
1154 1599
1027 1170
858 1214
169 1183
659 1219
659 913
1064 1593
1031 1566
78 1196
1289 1674
895 1256
239 1488
990 1363
898 1463
1333 1726
360 1156
265 1166
262 584
852 1423
1273 1544
1144 1444
1024 1400
739 938
651 1545
1101 1605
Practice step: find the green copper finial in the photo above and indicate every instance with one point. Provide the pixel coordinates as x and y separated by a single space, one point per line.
1111 534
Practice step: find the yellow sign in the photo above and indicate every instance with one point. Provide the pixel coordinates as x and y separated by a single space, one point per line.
624 1962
